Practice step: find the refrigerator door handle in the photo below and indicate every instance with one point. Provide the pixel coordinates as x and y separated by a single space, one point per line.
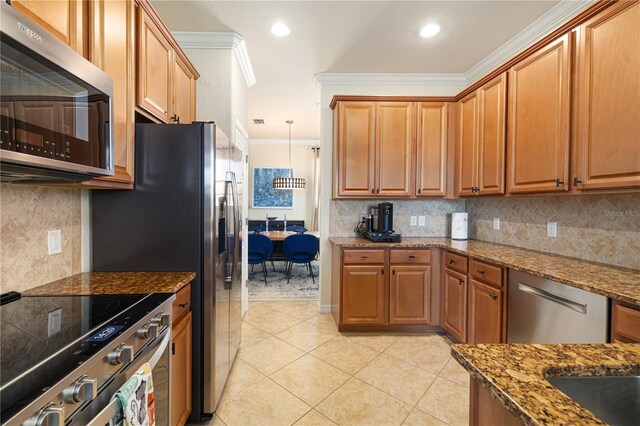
236 223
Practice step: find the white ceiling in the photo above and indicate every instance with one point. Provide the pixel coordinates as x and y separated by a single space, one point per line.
349 37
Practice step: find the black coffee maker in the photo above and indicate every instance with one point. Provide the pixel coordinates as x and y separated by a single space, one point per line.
385 218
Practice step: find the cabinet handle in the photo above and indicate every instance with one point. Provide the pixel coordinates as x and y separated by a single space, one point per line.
378 191
174 118
173 349
559 183
383 272
493 297
451 262
373 191
393 272
576 181
419 190
411 256
184 305
364 257
480 272
460 281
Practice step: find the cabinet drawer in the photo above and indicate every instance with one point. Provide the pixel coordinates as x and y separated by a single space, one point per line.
411 256
625 323
455 262
486 273
182 304
363 256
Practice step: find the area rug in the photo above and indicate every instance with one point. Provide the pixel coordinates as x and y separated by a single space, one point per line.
300 286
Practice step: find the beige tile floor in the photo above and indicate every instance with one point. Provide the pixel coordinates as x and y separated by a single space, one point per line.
294 368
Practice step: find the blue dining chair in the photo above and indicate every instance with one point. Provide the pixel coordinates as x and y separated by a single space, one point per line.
296 228
260 248
300 248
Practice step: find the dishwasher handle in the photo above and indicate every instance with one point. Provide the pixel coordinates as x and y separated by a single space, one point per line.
568 303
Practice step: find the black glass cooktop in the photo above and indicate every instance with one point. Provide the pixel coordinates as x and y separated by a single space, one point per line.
49 336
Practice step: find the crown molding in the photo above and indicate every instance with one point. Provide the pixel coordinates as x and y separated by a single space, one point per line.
335 78
301 142
217 40
544 25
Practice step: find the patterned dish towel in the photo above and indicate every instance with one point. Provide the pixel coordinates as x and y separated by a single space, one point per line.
136 400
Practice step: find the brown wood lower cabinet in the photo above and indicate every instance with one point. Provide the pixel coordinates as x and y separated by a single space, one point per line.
488 411
485 313
410 294
455 305
625 323
181 371
363 294
381 288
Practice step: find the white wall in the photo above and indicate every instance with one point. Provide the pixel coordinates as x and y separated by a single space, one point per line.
327 92
269 154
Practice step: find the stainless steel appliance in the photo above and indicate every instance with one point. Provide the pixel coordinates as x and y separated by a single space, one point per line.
544 311
385 218
64 357
184 215
55 107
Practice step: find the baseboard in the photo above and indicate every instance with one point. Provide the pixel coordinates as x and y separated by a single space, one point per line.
325 309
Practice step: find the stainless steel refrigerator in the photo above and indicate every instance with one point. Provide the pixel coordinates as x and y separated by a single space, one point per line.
183 215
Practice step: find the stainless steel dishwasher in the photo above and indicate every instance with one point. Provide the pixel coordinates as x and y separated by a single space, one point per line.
544 311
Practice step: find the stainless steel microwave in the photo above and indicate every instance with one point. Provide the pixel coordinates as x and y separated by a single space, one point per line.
55 107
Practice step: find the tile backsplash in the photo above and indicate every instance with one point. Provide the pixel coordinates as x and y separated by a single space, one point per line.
26 214
601 228
344 214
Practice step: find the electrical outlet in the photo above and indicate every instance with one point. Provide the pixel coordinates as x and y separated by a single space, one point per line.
496 223
54 241
421 221
55 322
552 228
414 220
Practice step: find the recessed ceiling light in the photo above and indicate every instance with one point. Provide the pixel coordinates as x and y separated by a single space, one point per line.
429 30
279 29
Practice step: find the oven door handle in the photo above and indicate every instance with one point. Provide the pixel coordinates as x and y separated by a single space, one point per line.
106 416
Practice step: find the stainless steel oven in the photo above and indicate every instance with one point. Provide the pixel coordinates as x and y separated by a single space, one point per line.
55 107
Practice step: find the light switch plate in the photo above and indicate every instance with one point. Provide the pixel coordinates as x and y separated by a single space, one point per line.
55 322
496 223
422 221
552 228
54 241
414 220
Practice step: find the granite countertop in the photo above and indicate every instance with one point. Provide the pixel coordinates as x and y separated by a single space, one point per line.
90 283
515 375
611 281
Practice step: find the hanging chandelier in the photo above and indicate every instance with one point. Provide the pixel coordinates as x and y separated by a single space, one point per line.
289 182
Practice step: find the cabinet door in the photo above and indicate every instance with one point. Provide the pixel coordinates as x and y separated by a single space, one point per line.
431 149
455 305
155 63
410 294
184 92
394 146
62 18
485 313
363 295
608 93
181 371
111 48
491 136
538 129
466 155
355 148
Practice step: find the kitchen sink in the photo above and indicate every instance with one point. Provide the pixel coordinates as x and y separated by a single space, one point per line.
614 399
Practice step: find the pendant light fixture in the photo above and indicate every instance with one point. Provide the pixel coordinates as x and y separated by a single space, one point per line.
289 182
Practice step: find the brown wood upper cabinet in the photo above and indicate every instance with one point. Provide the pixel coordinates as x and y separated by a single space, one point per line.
480 159
608 89
111 48
62 18
355 141
538 120
431 148
394 149
165 79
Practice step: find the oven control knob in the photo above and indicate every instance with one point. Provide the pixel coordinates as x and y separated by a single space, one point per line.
84 389
149 331
123 354
51 415
162 319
